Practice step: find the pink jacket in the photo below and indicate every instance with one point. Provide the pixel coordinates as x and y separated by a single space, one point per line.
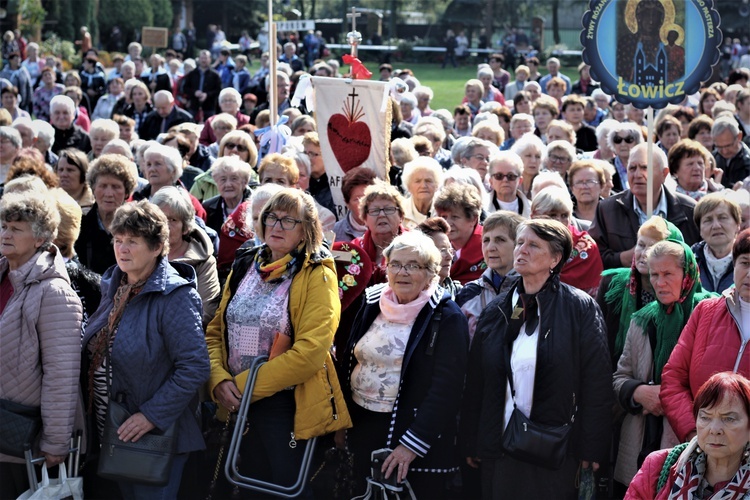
709 343
40 348
643 485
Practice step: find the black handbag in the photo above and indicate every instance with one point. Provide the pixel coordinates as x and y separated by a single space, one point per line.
335 477
148 460
538 444
19 426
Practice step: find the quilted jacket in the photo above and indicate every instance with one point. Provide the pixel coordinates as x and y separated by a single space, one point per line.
709 343
40 355
314 309
159 357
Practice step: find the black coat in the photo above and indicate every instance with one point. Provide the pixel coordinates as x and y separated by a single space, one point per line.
94 244
429 396
73 137
151 126
211 86
573 370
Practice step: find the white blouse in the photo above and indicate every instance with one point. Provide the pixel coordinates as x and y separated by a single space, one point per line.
523 365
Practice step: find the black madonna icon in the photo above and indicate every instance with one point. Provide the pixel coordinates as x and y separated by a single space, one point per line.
651 52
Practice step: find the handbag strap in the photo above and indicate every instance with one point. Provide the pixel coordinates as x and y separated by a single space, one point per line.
434 329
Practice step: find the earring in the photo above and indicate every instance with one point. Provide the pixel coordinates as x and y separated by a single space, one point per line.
552 271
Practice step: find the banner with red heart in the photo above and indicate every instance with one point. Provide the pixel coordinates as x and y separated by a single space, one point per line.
354 126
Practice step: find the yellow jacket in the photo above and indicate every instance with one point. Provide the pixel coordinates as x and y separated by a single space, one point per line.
315 310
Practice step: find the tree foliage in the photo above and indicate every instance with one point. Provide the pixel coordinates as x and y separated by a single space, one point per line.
129 15
162 13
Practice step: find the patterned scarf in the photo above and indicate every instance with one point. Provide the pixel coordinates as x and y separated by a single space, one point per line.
671 319
697 194
106 336
284 268
690 480
624 288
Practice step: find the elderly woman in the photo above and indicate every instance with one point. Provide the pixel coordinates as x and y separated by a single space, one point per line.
231 175
712 341
221 125
235 143
490 93
278 169
190 245
112 180
687 164
140 103
409 110
544 110
281 300
302 125
437 230
559 130
139 351
530 149
477 154
71 170
106 103
586 180
652 335
67 135
230 102
421 179
40 325
714 463
603 151
473 93
10 102
621 139
505 177
498 241
424 95
708 98
668 132
44 93
719 219
353 187
404 383
700 130
512 89
102 131
488 131
546 340
584 267
402 152
560 156
460 205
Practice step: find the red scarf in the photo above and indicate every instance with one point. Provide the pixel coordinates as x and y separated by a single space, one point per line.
584 267
366 243
470 265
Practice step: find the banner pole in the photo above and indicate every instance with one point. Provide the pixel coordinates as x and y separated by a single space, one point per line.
650 162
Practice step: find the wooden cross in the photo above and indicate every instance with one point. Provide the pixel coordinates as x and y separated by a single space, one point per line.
354 15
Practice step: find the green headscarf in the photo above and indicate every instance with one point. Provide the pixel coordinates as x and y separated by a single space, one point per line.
670 320
623 290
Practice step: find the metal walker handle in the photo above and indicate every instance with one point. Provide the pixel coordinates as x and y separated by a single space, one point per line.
231 470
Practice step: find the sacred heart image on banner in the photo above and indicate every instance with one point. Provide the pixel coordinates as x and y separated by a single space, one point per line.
353 126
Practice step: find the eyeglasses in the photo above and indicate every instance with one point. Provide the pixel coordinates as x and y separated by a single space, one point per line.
287 223
396 267
312 154
485 159
234 145
558 159
499 176
586 183
374 212
728 146
628 139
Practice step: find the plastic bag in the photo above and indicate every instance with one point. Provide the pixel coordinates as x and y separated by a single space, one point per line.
63 487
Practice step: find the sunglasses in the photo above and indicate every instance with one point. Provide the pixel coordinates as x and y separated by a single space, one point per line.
233 145
628 139
500 176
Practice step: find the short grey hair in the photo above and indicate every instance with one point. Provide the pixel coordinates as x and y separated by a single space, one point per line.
552 199
427 253
165 94
170 155
105 125
485 72
522 117
430 125
506 157
231 165
24 122
724 123
403 151
546 179
119 147
425 91
604 127
178 201
38 210
409 98
262 193
527 141
445 117
659 156
422 164
229 91
44 132
62 101
630 128
13 135
569 149
474 143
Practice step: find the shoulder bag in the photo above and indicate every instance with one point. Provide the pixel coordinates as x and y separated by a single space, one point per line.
19 427
146 461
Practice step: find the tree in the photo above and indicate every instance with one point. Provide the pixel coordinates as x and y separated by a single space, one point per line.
129 15
162 13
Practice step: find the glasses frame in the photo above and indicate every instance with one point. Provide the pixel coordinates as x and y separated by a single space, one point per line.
499 176
397 267
282 221
387 211
618 139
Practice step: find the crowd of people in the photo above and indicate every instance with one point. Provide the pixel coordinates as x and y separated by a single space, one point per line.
150 253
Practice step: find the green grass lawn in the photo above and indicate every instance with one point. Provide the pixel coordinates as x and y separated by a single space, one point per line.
448 83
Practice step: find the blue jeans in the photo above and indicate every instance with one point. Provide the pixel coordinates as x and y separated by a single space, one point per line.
137 491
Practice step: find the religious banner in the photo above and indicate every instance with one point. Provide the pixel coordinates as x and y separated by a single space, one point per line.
354 127
651 52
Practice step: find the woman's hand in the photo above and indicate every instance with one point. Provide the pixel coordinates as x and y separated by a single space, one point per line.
134 427
473 462
399 460
228 395
648 397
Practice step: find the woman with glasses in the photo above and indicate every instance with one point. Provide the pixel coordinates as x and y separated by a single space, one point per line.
622 138
438 230
281 300
505 178
406 371
382 209
586 180
231 176
461 205
560 155
234 143
230 102
476 155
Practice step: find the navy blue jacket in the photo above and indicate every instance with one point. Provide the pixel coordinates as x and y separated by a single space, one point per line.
707 280
159 356
429 397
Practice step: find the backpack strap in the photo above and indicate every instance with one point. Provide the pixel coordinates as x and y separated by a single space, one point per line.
434 329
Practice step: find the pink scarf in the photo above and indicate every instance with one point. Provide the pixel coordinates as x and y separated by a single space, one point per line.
403 313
